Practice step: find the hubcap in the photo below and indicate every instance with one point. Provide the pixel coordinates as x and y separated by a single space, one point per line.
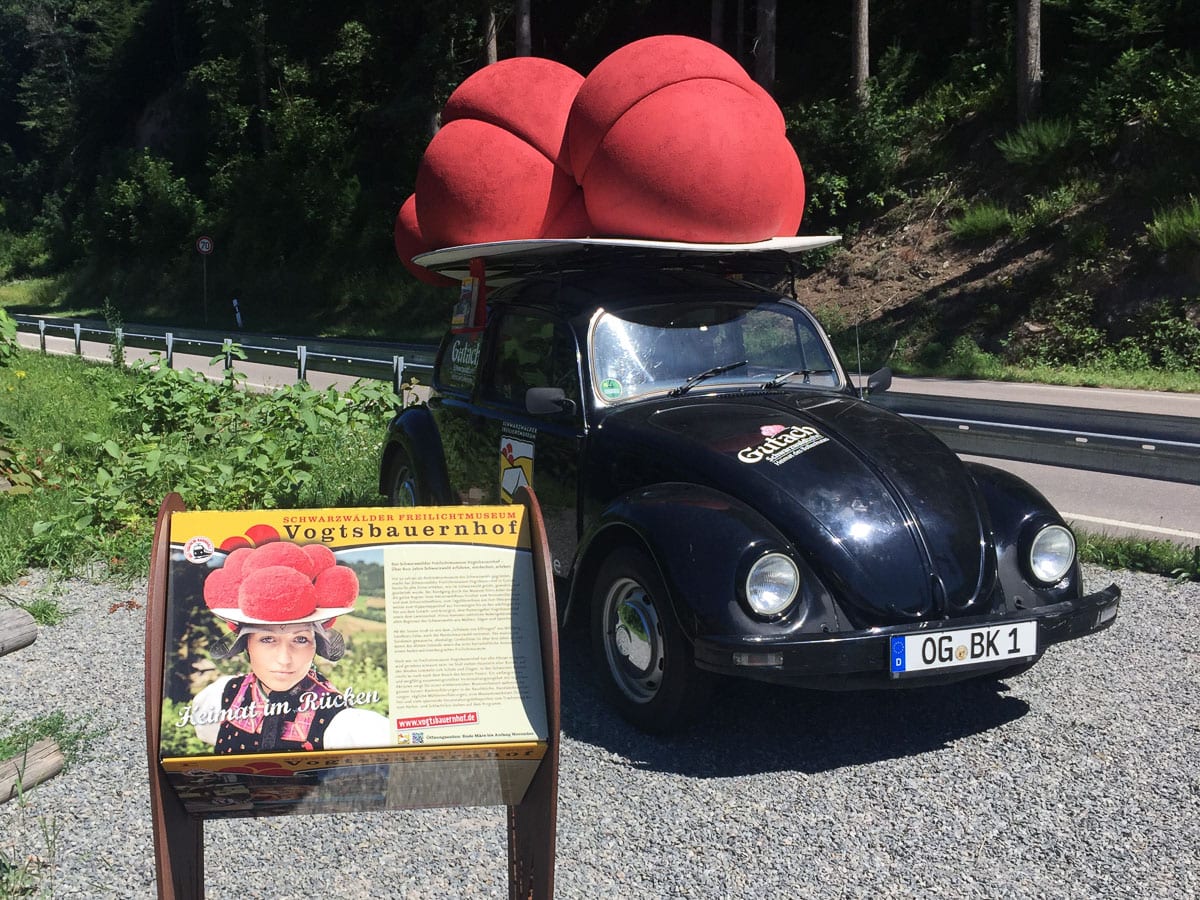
633 640
404 492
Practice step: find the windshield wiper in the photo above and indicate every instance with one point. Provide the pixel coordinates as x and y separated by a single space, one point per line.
779 380
707 373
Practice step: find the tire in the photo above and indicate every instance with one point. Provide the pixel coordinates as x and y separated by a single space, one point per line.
643 661
404 488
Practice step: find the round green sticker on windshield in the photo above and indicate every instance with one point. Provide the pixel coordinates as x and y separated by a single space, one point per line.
610 389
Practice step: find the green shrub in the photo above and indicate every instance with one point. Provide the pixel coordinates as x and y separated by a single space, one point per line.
8 338
1177 227
984 221
145 211
1036 144
102 463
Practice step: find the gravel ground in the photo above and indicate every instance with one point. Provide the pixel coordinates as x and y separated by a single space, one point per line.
1080 779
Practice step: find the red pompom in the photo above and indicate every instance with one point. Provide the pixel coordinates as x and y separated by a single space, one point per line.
232 543
671 140
320 556
280 553
277 594
631 73
337 587
262 534
478 183
498 169
235 562
527 96
409 243
221 589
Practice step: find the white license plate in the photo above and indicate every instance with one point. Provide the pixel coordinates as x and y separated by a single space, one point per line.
912 653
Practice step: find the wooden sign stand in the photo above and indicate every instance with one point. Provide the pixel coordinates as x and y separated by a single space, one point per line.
532 823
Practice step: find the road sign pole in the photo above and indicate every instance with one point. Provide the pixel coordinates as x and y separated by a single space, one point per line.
204 246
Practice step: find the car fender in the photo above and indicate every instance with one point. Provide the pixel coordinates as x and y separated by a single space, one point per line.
703 542
1017 510
416 432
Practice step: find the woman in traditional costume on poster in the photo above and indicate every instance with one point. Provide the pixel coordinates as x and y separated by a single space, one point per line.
280 601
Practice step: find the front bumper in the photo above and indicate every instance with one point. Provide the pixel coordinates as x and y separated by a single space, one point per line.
859 659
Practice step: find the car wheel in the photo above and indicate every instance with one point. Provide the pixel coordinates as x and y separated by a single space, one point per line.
644 661
403 487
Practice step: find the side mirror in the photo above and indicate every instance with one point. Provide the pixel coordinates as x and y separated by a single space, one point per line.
546 401
879 381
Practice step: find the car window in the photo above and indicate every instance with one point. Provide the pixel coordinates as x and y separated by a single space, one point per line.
651 349
531 351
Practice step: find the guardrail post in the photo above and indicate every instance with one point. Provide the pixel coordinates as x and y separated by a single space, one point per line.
42 334
301 363
118 347
78 344
398 375
228 354
170 338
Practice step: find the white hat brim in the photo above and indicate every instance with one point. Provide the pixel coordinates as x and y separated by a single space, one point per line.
320 614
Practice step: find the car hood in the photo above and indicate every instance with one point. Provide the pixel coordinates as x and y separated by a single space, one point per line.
885 513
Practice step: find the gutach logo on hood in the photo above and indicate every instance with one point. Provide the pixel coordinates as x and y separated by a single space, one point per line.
782 443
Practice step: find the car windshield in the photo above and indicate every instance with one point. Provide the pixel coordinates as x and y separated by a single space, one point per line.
675 347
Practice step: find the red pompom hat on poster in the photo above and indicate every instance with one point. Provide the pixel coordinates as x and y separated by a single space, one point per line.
667 138
280 583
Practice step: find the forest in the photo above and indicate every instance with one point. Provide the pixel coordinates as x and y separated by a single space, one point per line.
290 134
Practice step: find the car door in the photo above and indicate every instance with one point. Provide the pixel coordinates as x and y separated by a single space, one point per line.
529 349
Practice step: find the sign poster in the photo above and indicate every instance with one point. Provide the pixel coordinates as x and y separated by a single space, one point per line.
325 658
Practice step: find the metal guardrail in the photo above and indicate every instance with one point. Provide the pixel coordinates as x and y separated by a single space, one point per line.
362 359
1163 448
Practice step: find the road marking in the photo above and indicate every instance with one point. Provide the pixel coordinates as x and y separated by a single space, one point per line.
1116 523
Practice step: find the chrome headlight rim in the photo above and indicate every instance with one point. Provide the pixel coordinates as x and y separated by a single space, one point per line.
772 585
1051 554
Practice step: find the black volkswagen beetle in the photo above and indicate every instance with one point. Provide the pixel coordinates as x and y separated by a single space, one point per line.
718 498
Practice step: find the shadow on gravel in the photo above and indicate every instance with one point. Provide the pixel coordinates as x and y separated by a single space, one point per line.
755 728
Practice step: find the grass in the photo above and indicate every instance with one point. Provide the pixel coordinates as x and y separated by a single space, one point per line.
1176 228
980 222
1154 556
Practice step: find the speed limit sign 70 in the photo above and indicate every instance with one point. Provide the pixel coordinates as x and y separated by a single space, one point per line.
204 245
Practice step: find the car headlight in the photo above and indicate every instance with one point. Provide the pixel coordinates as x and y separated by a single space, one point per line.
1051 554
772 584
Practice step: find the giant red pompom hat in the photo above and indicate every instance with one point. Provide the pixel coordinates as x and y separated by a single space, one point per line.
281 583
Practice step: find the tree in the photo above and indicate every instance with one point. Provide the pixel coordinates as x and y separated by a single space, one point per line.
524 33
1029 59
764 48
861 53
489 35
718 22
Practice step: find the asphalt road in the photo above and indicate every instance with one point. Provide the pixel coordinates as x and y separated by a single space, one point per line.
1091 501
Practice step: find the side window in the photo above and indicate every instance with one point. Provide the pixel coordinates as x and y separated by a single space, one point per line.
458 360
531 351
